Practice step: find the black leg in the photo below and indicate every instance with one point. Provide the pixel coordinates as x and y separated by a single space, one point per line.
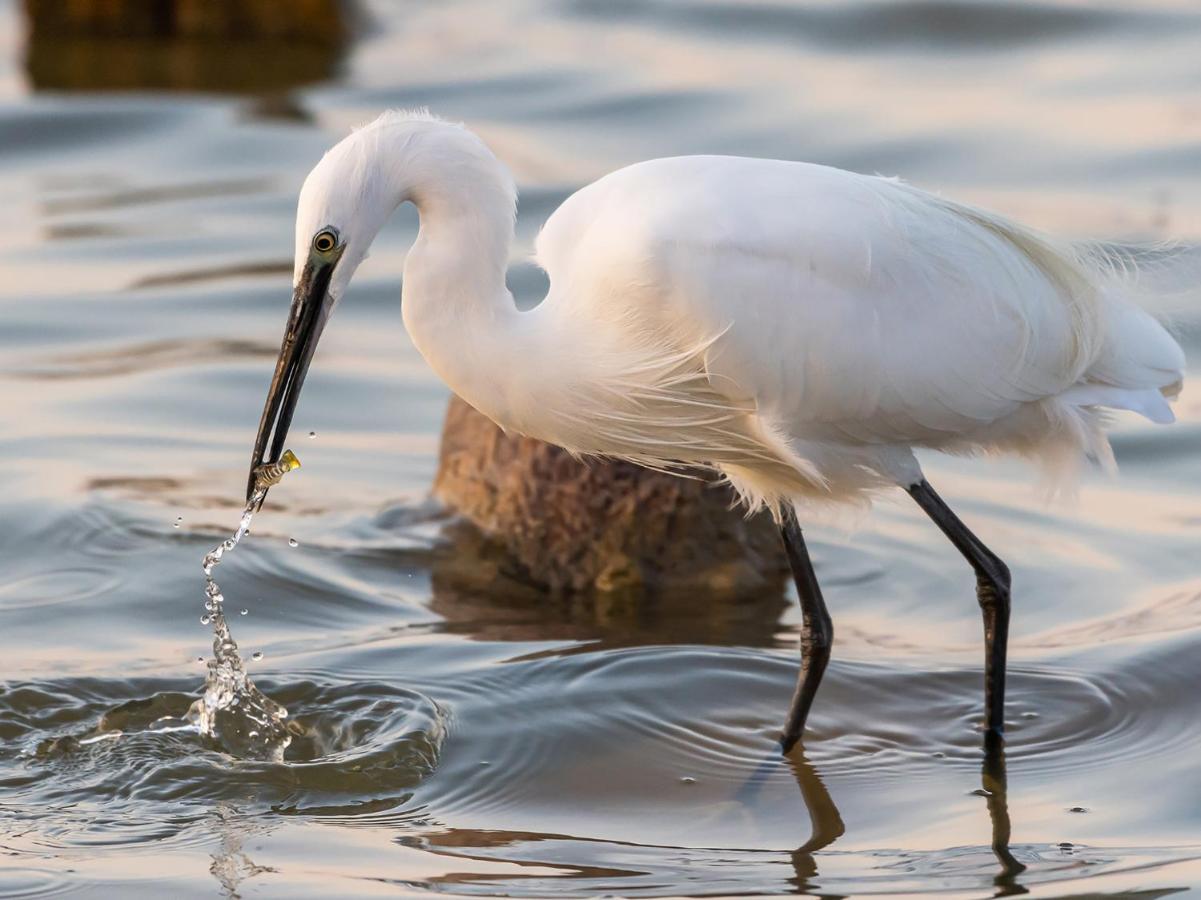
992 590
817 632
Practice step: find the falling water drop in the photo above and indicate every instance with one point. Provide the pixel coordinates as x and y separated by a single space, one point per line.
204 620
312 434
231 701
257 655
243 611
292 542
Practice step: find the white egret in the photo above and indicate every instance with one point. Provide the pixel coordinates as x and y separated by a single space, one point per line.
798 328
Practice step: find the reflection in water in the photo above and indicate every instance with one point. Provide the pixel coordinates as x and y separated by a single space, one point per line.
826 824
995 784
231 865
475 595
825 821
557 864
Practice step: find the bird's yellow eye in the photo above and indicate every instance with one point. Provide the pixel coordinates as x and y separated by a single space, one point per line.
325 241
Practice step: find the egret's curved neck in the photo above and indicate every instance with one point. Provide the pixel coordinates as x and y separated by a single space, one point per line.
456 307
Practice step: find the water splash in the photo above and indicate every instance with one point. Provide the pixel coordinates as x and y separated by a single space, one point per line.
233 711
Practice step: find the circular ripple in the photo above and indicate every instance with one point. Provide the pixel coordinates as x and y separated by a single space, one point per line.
650 720
61 586
102 756
21 882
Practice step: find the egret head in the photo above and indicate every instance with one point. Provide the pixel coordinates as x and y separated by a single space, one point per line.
312 302
346 199
341 208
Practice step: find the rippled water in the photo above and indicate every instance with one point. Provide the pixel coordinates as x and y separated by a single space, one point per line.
484 740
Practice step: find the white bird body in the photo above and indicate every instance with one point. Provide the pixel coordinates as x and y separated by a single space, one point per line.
798 327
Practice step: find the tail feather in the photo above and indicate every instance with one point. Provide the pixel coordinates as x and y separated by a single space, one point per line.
1148 402
1137 352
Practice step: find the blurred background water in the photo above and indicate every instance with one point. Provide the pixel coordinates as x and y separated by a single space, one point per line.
485 740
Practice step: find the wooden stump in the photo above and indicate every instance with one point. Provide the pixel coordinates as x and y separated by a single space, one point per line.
596 527
310 21
256 47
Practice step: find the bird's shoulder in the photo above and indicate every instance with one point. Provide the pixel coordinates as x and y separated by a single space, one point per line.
656 211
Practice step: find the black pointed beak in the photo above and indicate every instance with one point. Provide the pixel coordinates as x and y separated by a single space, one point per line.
311 306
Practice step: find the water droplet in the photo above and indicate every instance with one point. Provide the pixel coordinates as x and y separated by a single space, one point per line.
204 620
208 605
175 525
292 542
243 612
938 754
200 659
252 734
258 654
687 779
312 434
1078 809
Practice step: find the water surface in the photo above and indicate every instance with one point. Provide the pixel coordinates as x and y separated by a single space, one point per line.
484 740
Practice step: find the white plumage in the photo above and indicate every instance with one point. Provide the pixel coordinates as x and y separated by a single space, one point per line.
798 327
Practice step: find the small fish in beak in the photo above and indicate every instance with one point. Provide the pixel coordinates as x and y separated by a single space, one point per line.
269 474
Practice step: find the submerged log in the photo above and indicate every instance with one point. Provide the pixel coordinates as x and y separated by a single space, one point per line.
596 527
